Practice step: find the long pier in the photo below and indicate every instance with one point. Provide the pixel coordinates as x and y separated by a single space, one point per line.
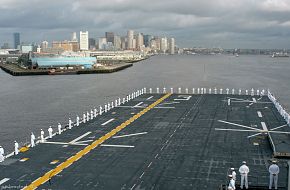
15 70
159 139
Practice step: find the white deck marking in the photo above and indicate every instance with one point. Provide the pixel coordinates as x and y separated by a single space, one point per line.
259 114
237 99
159 107
182 98
264 126
169 103
63 143
108 121
149 98
137 105
236 124
239 130
119 146
278 127
149 165
4 180
135 134
80 137
142 175
133 187
254 135
84 141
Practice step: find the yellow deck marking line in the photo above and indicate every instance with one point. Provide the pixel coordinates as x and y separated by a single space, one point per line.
87 149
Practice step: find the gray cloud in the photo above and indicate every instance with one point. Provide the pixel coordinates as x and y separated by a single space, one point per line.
226 23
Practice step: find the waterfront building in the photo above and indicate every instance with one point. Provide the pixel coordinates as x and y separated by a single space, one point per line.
5 46
84 40
92 43
26 48
44 45
147 39
102 43
64 45
130 39
16 40
123 42
163 45
74 37
110 37
172 46
63 61
117 42
139 41
134 44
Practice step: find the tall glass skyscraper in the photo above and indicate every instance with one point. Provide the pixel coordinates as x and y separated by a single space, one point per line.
16 40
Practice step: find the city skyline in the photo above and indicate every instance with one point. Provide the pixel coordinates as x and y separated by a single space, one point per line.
224 23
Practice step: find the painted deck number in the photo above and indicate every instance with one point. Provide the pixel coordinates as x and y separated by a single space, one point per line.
183 97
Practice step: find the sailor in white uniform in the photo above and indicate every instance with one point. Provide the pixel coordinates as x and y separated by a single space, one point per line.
59 128
234 174
232 182
41 135
244 170
274 171
84 118
78 121
32 140
69 123
16 147
50 132
1 154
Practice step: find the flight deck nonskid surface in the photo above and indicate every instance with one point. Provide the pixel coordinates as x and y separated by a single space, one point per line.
174 145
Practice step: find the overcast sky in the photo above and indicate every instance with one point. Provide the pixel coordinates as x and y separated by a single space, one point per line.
207 23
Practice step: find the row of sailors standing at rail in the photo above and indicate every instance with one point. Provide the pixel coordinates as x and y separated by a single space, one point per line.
244 170
86 117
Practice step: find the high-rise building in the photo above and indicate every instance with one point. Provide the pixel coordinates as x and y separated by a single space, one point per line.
172 46
147 39
92 43
134 44
74 37
130 38
139 41
163 45
102 43
44 45
84 40
5 46
16 40
123 42
110 37
117 42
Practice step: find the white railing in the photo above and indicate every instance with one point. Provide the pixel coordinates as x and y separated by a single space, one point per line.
279 107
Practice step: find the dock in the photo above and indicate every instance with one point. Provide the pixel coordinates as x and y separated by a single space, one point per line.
16 70
160 140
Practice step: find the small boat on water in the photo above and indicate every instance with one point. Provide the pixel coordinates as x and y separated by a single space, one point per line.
280 54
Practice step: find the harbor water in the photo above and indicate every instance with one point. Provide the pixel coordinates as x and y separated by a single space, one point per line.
31 103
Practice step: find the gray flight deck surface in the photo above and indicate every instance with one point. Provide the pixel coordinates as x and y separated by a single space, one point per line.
172 146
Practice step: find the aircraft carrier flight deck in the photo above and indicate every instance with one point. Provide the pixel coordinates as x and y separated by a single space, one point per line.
159 141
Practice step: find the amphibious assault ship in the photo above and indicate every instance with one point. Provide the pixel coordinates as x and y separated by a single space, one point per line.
160 139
